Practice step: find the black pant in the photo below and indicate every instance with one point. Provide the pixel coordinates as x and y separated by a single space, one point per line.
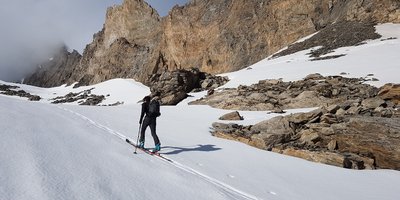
149 121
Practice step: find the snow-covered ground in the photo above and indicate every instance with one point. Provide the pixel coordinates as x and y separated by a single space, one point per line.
127 91
381 58
79 152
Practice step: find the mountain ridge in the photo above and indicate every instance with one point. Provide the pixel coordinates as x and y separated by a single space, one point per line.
213 36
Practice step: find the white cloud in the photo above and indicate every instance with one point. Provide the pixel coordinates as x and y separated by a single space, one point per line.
31 28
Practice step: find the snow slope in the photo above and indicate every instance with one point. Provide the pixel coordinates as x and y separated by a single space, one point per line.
79 152
127 91
381 58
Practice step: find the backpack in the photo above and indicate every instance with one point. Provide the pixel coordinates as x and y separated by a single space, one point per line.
154 108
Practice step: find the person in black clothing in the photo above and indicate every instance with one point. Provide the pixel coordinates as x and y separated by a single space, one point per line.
148 117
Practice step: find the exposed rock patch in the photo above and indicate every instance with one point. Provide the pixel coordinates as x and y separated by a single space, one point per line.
233 132
334 36
83 98
232 116
328 57
13 91
313 91
350 135
357 125
390 92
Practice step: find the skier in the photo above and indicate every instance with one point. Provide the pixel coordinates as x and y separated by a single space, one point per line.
150 112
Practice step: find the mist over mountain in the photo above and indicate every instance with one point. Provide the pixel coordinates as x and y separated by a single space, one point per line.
33 30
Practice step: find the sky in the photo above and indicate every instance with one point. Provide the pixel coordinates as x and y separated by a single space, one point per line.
31 29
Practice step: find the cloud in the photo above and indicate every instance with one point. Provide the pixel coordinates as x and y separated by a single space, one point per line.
32 29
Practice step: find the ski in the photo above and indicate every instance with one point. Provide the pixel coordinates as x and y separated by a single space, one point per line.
148 151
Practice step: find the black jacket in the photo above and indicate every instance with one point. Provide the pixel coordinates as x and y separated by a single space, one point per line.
145 110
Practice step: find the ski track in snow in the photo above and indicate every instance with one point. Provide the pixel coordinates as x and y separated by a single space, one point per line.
225 187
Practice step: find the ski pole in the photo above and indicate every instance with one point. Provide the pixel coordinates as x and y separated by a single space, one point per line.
137 140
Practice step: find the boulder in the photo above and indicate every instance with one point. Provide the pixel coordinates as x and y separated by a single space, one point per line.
276 125
34 98
332 145
231 116
384 112
333 108
226 128
315 76
258 97
270 82
303 118
376 137
274 131
340 112
309 136
173 86
349 161
277 110
306 99
372 103
329 118
355 110
390 92
239 133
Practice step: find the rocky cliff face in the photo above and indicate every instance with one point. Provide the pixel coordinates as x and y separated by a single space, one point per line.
225 35
213 35
126 46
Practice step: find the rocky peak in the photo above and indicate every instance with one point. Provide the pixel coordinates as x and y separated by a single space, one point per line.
214 36
134 20
125 47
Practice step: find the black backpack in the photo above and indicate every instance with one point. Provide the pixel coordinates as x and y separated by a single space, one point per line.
154 108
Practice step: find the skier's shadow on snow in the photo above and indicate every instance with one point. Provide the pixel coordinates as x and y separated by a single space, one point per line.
199 147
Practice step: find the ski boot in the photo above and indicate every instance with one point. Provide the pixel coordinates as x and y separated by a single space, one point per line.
157 148
141 145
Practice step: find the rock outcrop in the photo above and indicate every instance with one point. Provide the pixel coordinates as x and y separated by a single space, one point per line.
212 35
313 91
173 86
390 92
128 45
15 91
82 98
356 126
357 135
232 116
341 34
